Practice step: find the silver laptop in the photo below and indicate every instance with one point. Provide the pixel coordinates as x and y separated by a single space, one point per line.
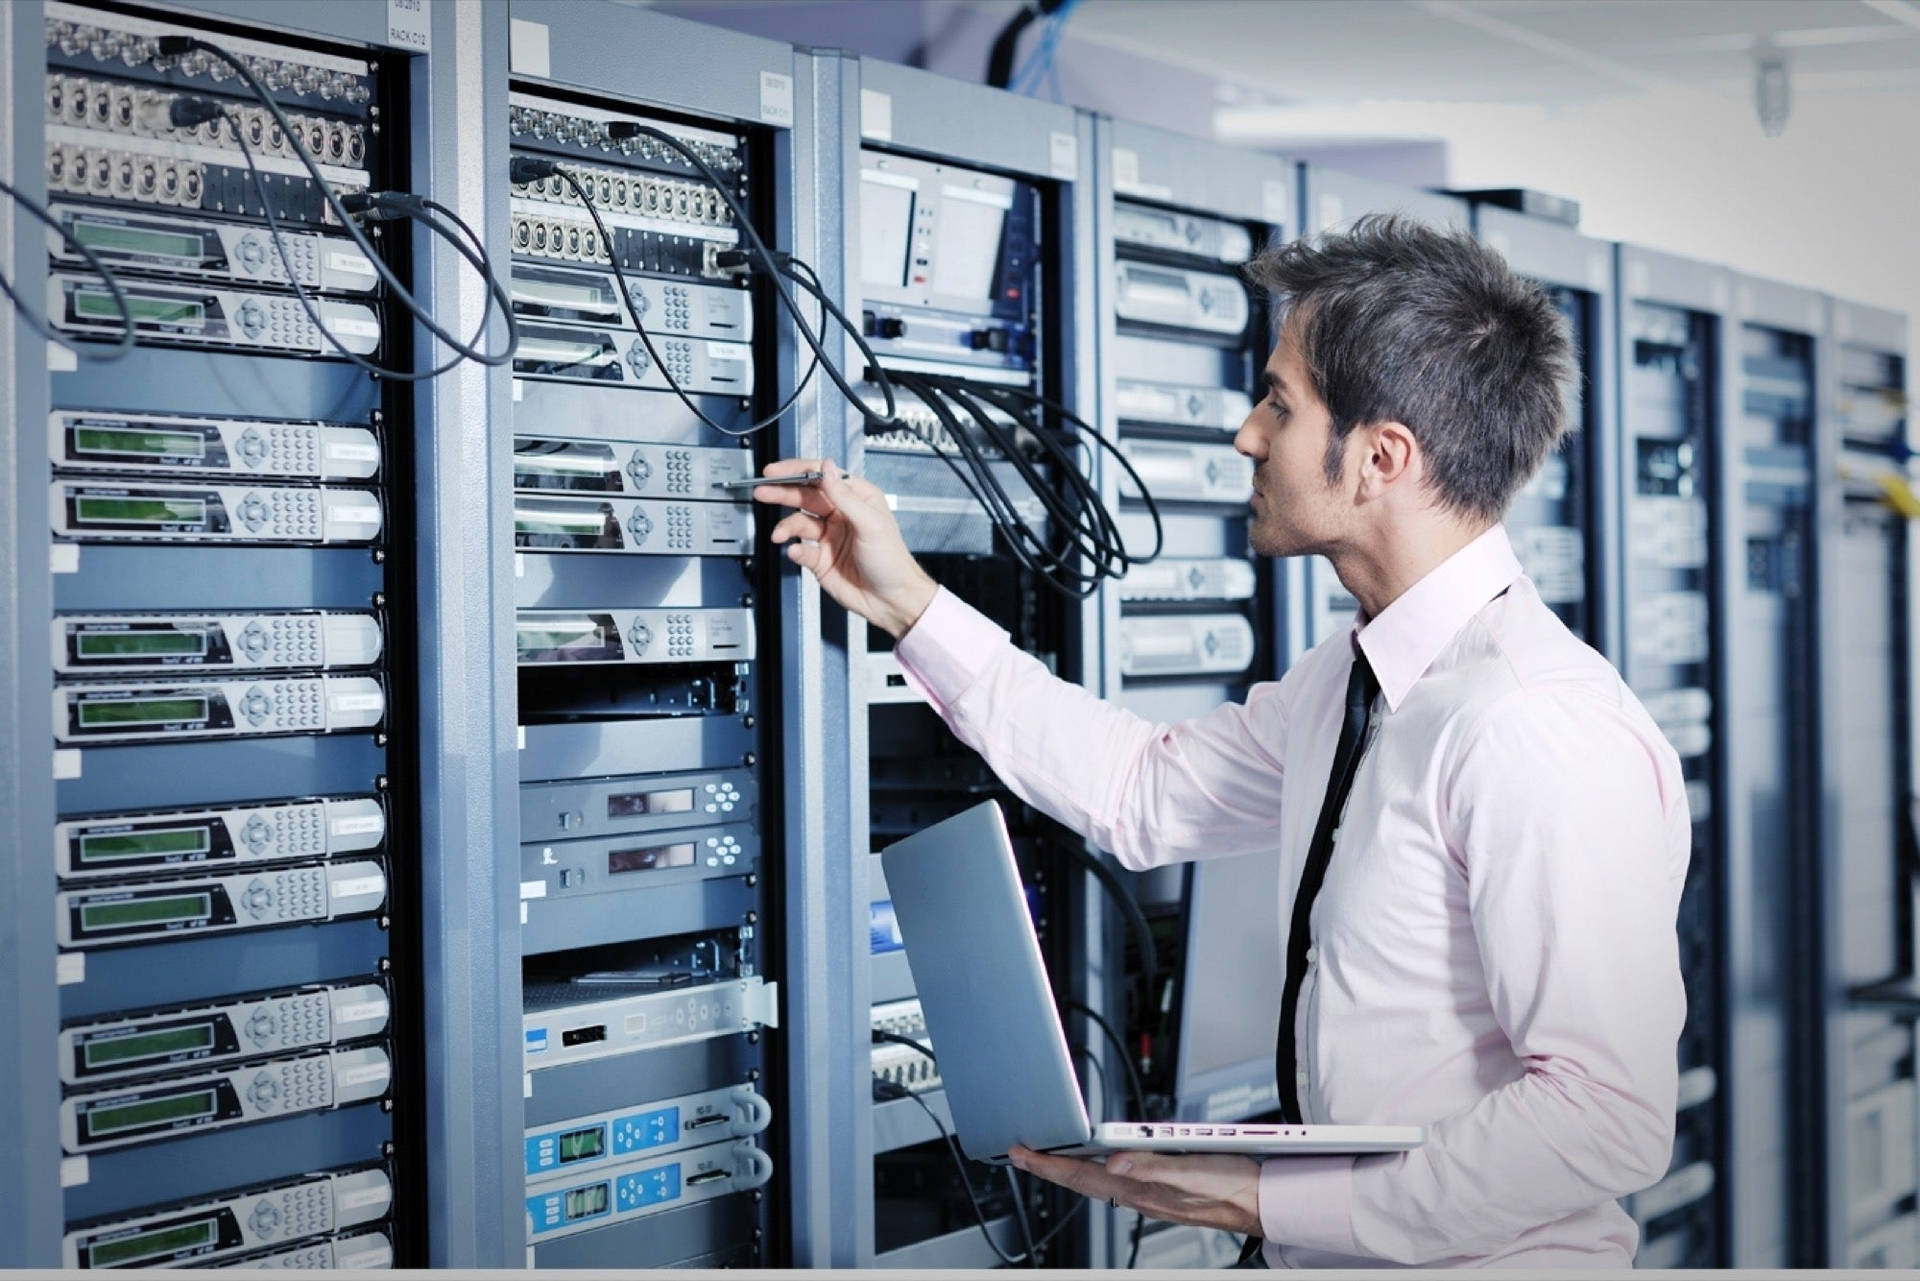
990 1015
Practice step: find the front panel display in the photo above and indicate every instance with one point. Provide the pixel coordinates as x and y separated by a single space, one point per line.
1175 471
209 1034
601 865
159 910
220 252
1173 231
260 1092
1180 298
682 309
1189 579
90 440
635 526
1153 404
626 469
109 714
646 1188
1185 644
656 1128
109 644
212 317
646 803
547 636
178 840
206 1231
618 358
562 1028
87 511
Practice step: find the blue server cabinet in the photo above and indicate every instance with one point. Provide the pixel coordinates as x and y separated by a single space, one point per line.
1864 986
664 662
967 230
230 818
1769 645
1672 336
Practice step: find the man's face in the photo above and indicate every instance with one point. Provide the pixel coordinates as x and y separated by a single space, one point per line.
1296 510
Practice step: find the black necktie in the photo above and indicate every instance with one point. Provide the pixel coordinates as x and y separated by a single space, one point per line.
1362 685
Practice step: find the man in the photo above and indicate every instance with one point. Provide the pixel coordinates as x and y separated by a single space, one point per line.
1491 949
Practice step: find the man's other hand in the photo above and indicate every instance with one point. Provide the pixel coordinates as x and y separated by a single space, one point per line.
1204 1191
843 531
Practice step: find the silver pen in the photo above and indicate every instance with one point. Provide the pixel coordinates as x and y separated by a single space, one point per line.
798 478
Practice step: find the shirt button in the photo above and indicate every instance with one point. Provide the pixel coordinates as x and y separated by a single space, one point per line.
1313 954
1300 1076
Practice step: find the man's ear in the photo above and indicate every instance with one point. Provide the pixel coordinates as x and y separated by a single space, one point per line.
1389 456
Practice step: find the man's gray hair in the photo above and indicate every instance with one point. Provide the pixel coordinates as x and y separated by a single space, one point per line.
1399 322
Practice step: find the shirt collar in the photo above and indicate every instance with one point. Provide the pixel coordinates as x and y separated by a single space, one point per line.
1410 633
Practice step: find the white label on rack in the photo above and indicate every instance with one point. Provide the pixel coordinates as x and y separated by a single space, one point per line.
533 889
359 702
347 1078
1276 202
354 327
776 98
362 1196
1126 169
728 352
1063 157
60 360
519 391
66 762
529 53
876 115
368 515
1597 264
409 25
63 558
347 452
360 1012
359 885
73 1171
69 968
357 826
354 264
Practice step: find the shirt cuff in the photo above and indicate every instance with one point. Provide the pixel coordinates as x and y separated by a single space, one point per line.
947 648
1306 1202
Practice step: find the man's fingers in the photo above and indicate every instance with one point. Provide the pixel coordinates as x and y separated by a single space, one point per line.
792 467
800 524
1089 1178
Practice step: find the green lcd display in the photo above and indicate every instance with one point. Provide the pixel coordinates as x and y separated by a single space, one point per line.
584 1203
91 304
145 911
100 1122
583 1145
134 443
112 847
153 1244
588 522
107 1051
115 509
159 642
136 240
105 713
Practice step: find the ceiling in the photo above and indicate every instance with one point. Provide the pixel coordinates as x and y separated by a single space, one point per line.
1284 52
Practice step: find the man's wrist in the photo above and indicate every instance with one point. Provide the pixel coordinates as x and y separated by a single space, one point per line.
900 615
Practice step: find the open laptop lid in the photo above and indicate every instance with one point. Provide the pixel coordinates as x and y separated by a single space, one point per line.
983 986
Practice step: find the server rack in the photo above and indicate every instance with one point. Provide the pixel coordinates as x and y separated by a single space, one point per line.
304 1157
1769 647
655 648
914 147
1561 522
1317 606
1673 331
1182 215
1865 989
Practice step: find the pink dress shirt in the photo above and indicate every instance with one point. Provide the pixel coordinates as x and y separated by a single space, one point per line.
1494 952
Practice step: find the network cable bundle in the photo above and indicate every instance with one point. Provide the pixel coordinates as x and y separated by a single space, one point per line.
649 305
234 849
